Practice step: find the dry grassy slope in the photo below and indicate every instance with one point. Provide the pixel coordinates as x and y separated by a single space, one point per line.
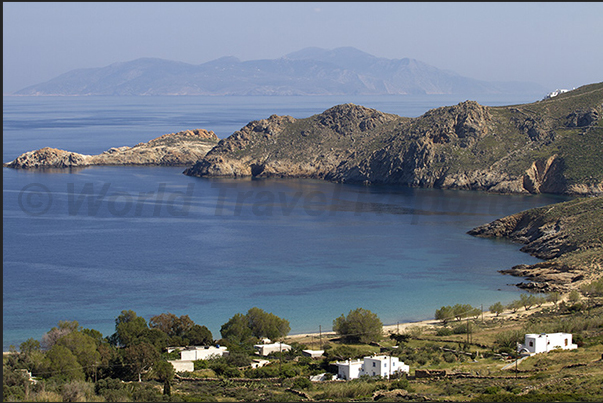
550 146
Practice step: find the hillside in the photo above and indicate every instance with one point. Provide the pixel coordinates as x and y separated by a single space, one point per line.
550 146
568 235
313 71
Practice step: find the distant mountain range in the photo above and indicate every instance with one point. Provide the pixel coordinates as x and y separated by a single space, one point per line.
311 71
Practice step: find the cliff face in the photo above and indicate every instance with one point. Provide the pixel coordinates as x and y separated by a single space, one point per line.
182 148
567 235
551 146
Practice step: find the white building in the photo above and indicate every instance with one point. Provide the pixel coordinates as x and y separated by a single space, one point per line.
313 353
182 366
267 349
555 93
258 363
378 365
194 353
544 342
349 369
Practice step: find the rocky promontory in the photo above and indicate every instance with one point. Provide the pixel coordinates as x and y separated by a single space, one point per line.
550 146
174 149
568 236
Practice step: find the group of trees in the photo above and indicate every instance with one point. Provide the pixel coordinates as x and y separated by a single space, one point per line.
359 326
458 312
592 290
526 301
68 352
242 331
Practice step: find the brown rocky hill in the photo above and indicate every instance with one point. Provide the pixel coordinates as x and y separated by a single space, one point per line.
174 149
550 146
568 235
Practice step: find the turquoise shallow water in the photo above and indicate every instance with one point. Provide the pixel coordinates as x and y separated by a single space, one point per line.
84 245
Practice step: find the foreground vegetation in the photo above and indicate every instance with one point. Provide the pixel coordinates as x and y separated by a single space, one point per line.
476 352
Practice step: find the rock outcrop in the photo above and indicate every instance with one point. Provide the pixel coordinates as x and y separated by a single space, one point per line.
568 235
551 146
175 149
282 146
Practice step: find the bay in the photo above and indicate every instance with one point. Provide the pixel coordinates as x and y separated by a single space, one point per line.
85 244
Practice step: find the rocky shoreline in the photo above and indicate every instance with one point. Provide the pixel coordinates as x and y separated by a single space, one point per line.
568 236
175 149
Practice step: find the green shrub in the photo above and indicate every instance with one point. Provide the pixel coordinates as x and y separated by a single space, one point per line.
443 331
302 382
449 357
399 384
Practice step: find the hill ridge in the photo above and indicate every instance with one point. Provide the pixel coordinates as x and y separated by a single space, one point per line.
550 146
341 71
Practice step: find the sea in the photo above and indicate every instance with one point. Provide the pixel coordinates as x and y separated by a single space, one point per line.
85 244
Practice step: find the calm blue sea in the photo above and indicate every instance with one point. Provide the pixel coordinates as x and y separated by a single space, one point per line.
86 244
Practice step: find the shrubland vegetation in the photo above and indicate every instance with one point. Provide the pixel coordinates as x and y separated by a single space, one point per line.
71 363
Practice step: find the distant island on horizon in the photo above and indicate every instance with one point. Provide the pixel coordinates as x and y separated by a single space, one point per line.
310 71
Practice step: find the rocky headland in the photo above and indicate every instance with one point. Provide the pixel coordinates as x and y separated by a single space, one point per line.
174 149
550 146
568 236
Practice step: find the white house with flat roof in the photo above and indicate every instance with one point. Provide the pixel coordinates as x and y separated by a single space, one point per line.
377 365
544 342
313 353
194 353
349 369
182 366
267 349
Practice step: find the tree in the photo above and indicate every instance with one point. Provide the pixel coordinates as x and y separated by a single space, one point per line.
31 355
172 325
181 330
53 335
60 362
237 330
593 289
497 308
553 297
84 348
129 328
527 300
539 300
165 372
244 329
461 311
444 314
29 346
361 325
140 358
264 324
574 296
400 339
199 336
514 305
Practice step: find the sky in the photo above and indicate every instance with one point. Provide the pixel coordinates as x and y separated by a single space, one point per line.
555 44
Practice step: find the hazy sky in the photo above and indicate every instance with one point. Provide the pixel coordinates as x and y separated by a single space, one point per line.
558 45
